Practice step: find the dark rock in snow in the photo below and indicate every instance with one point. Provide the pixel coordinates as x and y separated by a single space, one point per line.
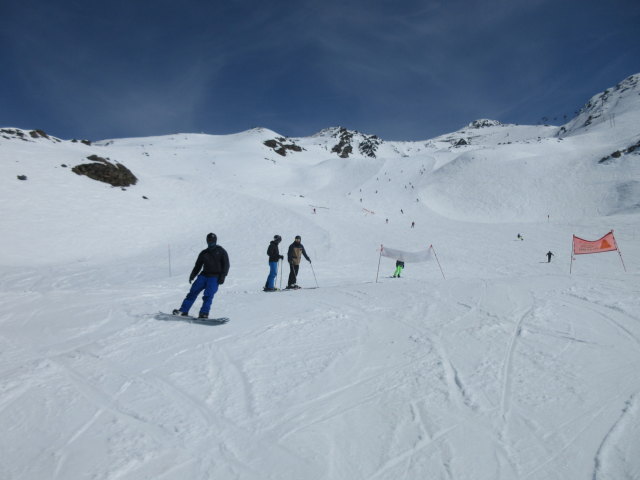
280 147
103 170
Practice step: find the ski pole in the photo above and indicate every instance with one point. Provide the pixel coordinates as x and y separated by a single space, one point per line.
314 273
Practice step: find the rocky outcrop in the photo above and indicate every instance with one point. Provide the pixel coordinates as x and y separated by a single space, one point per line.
619 153
484 122
367 144
103 170
26 135
280 147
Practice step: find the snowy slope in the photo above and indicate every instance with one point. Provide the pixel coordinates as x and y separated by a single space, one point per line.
509 369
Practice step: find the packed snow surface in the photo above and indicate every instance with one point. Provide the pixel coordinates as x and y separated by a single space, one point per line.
508 368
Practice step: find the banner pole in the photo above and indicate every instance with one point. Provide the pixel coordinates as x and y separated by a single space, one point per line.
379 260
571 263
619 253
434 253
618 249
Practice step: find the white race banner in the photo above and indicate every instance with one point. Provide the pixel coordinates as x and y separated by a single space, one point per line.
413 257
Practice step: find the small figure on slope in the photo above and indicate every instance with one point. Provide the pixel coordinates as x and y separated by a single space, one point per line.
520 237
274 256
294 256
399 268
549 255
211 268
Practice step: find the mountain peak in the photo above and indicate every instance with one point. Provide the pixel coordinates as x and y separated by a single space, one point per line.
604 106
484 122
367 145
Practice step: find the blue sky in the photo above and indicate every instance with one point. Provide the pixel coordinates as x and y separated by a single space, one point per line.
403 70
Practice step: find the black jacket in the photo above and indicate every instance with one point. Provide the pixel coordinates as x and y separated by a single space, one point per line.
214 262
274 252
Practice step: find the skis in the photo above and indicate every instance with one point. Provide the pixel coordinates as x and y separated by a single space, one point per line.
190 319
288 289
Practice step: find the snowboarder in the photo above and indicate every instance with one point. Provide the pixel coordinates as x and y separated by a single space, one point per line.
294 256
211 268
399 268
274 256
549 255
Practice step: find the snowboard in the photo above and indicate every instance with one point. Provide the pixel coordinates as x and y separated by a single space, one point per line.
190 319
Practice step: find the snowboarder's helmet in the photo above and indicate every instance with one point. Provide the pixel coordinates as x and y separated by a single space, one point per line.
298 237
212 238
277 238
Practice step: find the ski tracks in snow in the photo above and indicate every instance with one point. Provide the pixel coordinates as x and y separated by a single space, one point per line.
617 454
507 364
339 384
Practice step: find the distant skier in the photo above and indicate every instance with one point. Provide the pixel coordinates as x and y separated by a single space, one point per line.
413 224
211 268
549 255
386 220
274 256
399 268
294 256
520 237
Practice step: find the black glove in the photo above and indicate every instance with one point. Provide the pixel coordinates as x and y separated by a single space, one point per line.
221 279
190 280
281 257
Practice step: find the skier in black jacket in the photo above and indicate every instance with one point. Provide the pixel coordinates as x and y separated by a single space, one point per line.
211 269
274 256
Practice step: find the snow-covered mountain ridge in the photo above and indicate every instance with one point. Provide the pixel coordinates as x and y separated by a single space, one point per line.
525 172
606 106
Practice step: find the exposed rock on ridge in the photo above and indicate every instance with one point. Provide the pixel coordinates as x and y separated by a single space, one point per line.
103 170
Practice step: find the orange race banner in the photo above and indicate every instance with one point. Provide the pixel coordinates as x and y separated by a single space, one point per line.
604 244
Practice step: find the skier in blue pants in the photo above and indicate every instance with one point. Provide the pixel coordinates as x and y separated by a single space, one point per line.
274 256
211 268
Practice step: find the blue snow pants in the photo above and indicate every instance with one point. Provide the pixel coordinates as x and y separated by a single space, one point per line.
210 287
273 273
